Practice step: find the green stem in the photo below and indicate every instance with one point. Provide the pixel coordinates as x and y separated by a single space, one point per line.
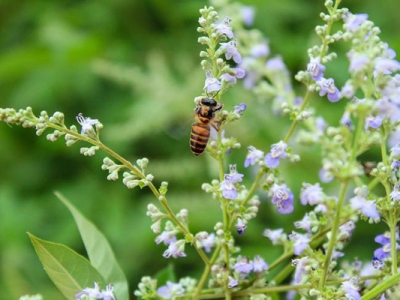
379 289
295 121
335 227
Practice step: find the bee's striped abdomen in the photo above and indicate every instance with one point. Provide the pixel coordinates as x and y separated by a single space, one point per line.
199 137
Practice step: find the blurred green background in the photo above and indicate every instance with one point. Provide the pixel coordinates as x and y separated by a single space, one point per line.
134 65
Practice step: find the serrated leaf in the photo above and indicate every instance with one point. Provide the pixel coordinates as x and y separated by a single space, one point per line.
99 251
69 271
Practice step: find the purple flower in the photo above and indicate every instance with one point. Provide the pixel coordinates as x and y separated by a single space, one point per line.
386 65
395 164
275 64
228 187
311 194
259 264
223 28
108 293
316 69
260 50
395 194
86 123
240 226
300 242
347 229
252 156
384 251
373 122
361 204
347 90
353 22
231 51
277 152
325 175
395 150
207 241
273 235
346 120
240 108
237 73
170 290
377 263
89 292
327 87
304 223
351 290
175 249
282 198
243 266
232 282
247 15
300 265
212 84
166 237
357 61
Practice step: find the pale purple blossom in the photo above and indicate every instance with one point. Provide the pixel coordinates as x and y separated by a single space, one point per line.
357 61
278 151
228 187
252 156
347 229
211 84
300 242
353 22
260 50
377 263
240 226
327 87
385 240
395 164
237 73
325 175
282 198
89 292
243 266
304 223
207 242
395 150
346 120
386 65
108 293
224 28
351 290
316 69
231 52
240 108
273 235
232 282
259 264
395 194
247 15
86 123
373 122
366 207
347 90
311 194
170 290
275 64
166 237
175 249
300 264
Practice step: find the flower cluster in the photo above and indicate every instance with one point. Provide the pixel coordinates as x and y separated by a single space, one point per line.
95 293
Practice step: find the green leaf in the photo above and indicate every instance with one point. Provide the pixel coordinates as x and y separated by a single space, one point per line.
99 251
166 274
69 271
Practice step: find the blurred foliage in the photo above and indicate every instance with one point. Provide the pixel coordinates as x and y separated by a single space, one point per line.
134 65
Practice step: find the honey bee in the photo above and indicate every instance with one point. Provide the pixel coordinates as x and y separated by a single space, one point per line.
204 112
